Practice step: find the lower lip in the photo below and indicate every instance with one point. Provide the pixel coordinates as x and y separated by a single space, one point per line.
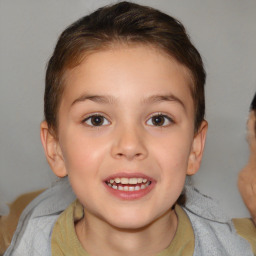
130 195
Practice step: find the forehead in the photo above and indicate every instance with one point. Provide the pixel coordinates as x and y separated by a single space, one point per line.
118 68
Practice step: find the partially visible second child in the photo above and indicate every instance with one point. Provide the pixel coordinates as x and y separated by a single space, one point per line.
124 122
247 176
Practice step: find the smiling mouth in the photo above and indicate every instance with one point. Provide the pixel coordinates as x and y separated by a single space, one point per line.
128 184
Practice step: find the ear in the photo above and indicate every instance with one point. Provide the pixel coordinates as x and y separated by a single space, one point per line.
52 150
197 149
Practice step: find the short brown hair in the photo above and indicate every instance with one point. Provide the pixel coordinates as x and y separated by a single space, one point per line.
121 23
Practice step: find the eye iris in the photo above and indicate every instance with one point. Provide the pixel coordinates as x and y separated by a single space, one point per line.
97 120
158 120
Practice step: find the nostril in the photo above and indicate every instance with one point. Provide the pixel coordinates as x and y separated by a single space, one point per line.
129 156
128 145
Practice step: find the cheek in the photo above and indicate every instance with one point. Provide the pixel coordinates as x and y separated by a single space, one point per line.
173 153
82 153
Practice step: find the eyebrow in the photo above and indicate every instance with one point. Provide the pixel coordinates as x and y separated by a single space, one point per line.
95 98
111 100
160 98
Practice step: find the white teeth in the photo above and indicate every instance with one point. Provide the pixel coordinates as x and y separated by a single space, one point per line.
133 181
117 180
140 180
140 183
124 180
129 188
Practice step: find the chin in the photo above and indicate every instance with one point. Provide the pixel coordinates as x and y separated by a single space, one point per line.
130 224
131 220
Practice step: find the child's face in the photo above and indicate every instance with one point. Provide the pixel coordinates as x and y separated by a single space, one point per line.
126 115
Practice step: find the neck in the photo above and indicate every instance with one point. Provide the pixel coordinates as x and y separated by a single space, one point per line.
100 238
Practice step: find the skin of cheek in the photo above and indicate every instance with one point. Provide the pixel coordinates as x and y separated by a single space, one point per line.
82 160
177 160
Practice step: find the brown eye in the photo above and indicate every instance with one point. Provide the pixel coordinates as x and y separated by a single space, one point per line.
159 120
96 120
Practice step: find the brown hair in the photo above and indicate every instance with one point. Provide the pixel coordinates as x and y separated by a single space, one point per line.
253 108
121 23
253 104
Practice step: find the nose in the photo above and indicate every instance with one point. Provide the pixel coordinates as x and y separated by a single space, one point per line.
129 144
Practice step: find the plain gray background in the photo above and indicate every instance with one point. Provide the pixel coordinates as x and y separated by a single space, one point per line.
224 31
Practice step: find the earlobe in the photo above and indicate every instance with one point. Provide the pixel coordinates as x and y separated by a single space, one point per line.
197 149
52 150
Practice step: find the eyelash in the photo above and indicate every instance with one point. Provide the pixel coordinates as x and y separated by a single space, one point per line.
167 119
89 119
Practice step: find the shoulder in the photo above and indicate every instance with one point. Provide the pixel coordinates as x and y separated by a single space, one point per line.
33 233
246 229
36 237
214 231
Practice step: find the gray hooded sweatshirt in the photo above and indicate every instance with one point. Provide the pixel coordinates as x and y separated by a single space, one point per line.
214 232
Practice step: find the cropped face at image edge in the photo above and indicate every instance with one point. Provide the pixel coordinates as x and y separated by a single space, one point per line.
126 135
